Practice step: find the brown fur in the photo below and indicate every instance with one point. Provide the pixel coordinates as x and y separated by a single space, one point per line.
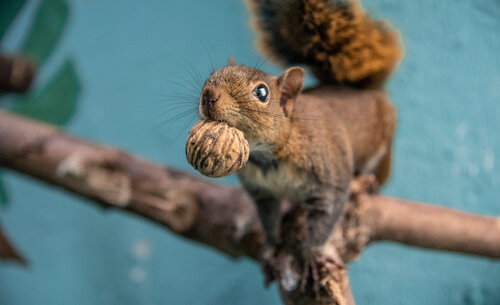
335 38
305 147
383 171
367 115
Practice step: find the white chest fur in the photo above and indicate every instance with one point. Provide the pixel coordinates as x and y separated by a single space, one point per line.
281 178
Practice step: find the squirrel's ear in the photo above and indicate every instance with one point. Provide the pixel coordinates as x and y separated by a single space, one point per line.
291 83
230 61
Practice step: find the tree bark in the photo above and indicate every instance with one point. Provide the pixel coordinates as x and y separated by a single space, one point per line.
224 217
433 227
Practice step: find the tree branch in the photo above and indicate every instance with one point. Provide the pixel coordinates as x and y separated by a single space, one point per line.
224 217
434 227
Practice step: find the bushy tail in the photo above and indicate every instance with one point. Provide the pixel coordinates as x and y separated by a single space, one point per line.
335 38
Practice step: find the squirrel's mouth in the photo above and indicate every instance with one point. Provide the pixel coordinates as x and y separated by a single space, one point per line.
208 112
205 113
211 114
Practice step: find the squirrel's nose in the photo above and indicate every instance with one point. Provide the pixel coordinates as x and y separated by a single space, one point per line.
209 98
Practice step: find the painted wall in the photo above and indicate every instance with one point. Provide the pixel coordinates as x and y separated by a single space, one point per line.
130 56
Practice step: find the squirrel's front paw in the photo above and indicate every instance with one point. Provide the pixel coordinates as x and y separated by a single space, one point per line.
313 262
267 261
364 183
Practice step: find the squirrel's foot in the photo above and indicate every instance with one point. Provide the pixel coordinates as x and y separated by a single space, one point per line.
364 183
313 262
267 261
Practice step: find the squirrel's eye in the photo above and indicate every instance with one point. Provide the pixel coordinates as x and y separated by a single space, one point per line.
261 92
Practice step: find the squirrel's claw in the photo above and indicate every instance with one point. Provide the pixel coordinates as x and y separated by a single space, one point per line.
313 262
268 262
310 269
364 183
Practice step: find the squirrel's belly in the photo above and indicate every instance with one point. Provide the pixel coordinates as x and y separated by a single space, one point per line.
282 179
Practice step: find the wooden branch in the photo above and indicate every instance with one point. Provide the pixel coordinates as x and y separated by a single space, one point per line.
224 217
433 227
16 73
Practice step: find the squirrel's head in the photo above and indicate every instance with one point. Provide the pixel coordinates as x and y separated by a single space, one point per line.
258 104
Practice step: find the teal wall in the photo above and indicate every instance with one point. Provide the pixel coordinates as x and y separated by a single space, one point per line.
129 55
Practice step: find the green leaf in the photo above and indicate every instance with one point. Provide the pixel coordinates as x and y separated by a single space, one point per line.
56 102
46 30
3 191
8 11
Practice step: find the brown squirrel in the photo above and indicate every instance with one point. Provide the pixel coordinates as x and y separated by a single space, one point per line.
306 146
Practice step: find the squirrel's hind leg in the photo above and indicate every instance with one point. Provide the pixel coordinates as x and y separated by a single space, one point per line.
324 210
383 170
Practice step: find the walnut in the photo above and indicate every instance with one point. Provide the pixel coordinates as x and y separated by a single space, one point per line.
215 149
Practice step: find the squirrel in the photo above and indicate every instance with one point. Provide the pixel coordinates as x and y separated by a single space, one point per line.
307 145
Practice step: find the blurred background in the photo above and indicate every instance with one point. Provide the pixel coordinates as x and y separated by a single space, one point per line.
127 74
